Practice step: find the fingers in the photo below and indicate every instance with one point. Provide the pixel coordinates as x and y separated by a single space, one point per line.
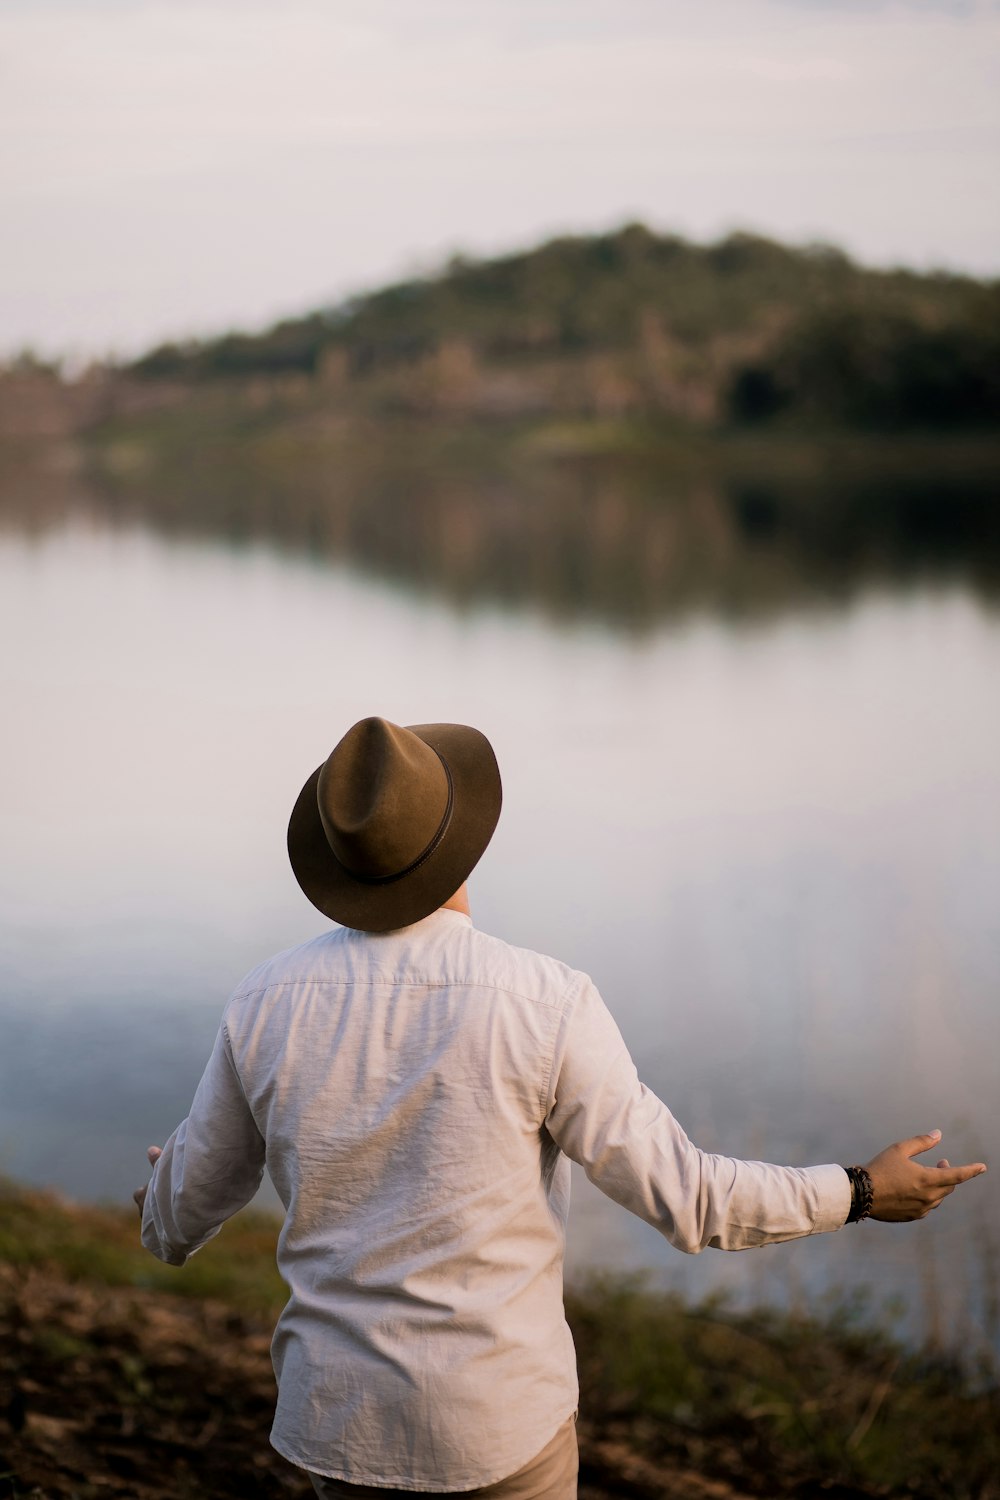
918 1143
952 1177
956 1175
942 1180
153 1154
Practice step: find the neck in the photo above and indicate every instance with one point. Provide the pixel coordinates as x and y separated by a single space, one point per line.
459 902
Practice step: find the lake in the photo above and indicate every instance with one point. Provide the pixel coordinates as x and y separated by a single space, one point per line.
774 845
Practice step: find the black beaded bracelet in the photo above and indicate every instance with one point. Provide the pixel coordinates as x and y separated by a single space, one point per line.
862 1194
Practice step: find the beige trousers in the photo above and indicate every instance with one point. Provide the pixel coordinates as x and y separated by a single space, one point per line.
550 1475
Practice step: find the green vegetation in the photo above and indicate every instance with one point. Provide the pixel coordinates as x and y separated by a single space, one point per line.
635 322
874 368
626 425
782 1404
101 1245
771 1404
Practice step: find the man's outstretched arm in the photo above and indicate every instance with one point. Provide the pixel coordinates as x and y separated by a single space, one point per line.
632 1148
208 1170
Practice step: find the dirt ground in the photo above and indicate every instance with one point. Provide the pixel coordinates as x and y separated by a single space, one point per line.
128 1394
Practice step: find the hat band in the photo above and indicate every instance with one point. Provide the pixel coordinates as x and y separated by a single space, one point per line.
435 841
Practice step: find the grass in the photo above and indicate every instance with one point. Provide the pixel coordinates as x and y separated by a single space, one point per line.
101 1246
795 1398
771 1403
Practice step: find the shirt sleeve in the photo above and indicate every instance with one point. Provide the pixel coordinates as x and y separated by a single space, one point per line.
210 1167
633 1149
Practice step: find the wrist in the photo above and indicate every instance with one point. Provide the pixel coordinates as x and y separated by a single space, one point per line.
862 1194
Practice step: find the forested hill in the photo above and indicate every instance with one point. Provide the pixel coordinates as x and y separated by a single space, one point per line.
634 322
625 424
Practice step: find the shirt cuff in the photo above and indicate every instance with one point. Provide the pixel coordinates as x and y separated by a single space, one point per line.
833 1197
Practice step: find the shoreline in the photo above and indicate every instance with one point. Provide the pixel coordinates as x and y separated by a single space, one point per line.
125 1378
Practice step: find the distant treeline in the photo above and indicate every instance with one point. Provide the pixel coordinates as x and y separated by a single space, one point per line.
626 425
869 367
745 331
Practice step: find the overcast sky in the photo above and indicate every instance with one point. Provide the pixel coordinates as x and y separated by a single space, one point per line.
170 167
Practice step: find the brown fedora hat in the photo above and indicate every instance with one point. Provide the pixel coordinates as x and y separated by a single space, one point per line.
392 823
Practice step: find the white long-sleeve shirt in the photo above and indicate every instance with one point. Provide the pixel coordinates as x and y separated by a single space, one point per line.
415 1096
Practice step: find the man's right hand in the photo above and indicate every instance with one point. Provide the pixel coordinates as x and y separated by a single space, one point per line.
153 1154
902 1189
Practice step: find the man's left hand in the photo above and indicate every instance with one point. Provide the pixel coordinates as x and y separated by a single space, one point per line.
139 1196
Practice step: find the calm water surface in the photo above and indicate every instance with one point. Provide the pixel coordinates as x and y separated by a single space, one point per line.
777 850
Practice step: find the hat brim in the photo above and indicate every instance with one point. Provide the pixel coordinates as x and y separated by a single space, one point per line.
342 897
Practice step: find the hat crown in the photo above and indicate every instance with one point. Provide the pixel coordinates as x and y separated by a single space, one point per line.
383 796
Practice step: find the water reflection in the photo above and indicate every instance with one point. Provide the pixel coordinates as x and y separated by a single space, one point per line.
625 537
777 849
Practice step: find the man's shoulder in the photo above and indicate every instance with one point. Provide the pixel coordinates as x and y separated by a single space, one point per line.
303 961
442 952
523 971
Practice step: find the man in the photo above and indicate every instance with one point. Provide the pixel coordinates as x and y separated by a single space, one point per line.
416 1090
